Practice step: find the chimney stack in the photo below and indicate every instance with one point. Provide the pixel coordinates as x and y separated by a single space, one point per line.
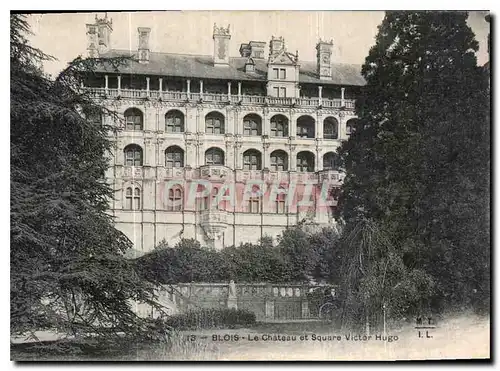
143 48
257 49
104 29
276 45
323 59
245 50
92 42
254 49
221 38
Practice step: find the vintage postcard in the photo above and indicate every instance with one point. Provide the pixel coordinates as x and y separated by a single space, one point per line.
250 185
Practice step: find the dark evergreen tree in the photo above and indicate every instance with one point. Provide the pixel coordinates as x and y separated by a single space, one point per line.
67 267
418 162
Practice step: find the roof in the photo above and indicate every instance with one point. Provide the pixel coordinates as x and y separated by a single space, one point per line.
201 66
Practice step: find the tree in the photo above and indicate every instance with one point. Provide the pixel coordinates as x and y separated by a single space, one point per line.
67 266
418 162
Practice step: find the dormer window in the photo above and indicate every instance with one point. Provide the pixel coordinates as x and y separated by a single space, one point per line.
279 73
250 65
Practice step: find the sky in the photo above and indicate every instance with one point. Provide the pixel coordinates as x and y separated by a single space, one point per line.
190 32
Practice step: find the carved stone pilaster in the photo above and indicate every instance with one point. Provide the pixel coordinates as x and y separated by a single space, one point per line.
200 122
237 155
293 156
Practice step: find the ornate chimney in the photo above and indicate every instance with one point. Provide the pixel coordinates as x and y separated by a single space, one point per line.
257 49
143 48
245 50
276 45
323 58
92 41
221 45
104 29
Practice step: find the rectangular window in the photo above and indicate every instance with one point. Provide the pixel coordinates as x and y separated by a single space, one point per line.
276 92
282 73
280 206
174 160
277 164
276 72
253 205
283 93
251 162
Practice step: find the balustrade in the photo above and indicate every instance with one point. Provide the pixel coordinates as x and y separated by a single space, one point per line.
216 97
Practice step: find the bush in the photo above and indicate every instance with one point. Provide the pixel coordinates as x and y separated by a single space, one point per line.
299 257
211 318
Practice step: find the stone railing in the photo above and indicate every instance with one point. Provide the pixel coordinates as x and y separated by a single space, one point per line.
132 172
215 172
331 175
223 173
213 216
269 302
222 98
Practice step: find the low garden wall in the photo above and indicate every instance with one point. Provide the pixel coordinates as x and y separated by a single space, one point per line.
269 302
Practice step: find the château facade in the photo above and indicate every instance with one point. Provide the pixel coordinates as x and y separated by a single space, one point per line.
265 116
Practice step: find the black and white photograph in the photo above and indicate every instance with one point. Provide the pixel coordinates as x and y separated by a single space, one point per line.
250 185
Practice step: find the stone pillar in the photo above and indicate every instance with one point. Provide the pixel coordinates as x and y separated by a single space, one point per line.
147 86
191 124
230 121
160 81
318 164
342 127
232 301
200 124
119 78
158 121
201 153
159 145
237 155
237 128
239 90
149 152
190 152
292 125
201 88
293 157
319 125
229 91
265 156
229 158
269 308
188 83
320 95
266 125
342 91
106 83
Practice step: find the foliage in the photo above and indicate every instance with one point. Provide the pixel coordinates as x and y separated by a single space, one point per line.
298 257
418 168
211 318
67 267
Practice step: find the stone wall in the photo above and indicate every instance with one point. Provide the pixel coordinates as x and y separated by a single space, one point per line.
269 302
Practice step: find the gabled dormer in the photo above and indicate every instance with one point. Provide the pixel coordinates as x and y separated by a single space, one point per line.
282 72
